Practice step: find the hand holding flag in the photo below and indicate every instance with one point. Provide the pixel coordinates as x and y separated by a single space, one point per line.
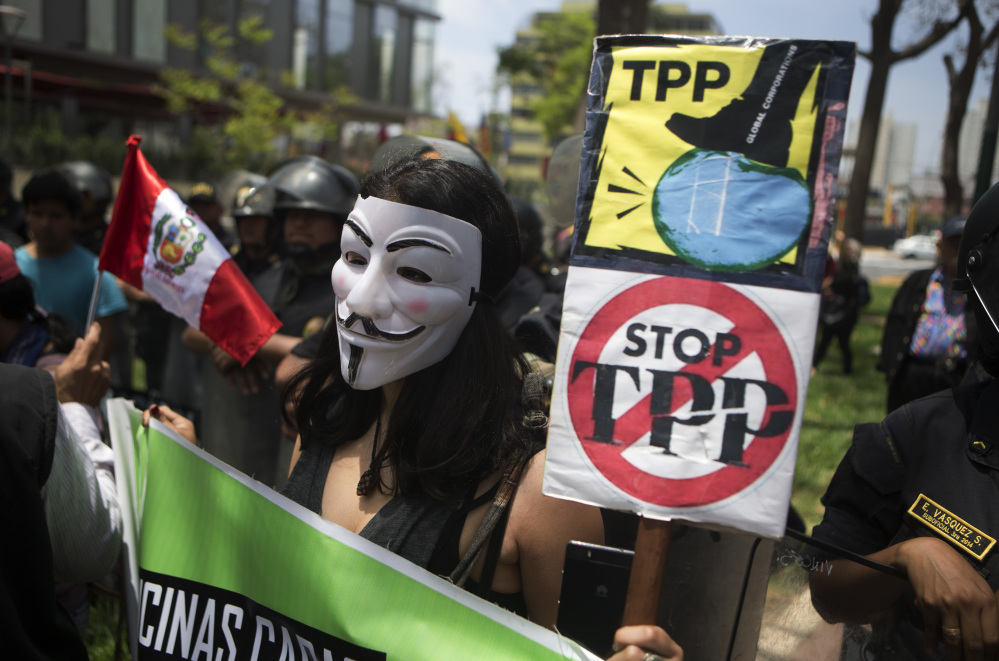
156 243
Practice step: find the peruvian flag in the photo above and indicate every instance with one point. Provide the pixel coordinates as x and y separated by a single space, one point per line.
156 243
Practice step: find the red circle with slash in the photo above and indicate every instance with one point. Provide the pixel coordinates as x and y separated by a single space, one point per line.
759 335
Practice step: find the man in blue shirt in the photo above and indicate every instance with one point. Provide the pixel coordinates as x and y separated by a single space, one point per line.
62 273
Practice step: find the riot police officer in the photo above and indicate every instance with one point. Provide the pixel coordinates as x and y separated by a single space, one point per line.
260 242
920 492
94 186
311 200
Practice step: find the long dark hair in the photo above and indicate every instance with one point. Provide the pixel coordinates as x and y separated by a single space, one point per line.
457 421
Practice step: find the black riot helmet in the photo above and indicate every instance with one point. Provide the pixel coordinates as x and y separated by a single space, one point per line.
89 179
407 146
235 186
254 202
257 203
309 182
531 229
978 269
249 198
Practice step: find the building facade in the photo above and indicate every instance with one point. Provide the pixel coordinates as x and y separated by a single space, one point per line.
98 61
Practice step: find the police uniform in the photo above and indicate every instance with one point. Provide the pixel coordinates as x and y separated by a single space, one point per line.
245 430
929 469
302 301
251 268
92 239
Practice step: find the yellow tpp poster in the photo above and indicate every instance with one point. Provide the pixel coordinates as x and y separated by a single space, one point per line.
716 153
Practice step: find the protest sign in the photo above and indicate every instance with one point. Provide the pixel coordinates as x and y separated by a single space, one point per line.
223 567
702 222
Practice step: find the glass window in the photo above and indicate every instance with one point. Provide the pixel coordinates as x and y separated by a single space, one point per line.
428 5
383 50
520 136
524 89
423 65
216 12
339 39
521 159
252 56
102 18
306 48
31 28
148 23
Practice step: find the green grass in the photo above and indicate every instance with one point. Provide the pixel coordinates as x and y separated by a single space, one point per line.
836 402
101 627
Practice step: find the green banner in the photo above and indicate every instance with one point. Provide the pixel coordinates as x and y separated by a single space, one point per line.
222 567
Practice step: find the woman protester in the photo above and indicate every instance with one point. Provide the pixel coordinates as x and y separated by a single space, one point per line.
421 427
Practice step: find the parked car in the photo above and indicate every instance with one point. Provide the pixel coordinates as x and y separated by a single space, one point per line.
918 246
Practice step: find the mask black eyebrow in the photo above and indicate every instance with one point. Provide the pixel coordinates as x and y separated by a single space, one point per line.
410 243
365 239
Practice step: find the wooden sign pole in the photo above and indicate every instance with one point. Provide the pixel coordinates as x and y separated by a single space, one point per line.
647 569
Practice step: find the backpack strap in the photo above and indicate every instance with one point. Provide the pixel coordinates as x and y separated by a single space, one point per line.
534 399
508 486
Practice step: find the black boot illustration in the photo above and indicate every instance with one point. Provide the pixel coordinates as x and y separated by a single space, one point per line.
758 124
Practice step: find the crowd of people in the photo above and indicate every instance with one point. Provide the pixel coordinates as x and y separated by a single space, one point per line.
430 326
404 397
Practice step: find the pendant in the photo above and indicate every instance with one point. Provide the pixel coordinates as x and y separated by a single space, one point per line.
367 482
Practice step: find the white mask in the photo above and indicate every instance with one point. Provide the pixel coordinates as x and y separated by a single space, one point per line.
404 289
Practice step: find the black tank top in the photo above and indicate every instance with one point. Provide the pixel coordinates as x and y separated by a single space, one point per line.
421 529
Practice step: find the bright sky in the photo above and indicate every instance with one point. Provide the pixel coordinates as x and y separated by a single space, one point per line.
472 30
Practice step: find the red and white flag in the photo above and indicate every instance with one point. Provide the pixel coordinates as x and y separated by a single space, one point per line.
156 243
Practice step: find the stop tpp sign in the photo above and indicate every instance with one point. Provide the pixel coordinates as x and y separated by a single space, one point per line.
682 392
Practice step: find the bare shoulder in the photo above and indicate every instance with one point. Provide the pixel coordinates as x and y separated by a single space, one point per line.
531 503
541 526
540 520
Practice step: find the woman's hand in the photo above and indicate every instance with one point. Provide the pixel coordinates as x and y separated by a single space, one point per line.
958 606
171 419
644 643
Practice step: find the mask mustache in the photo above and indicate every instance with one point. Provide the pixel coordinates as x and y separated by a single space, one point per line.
373 331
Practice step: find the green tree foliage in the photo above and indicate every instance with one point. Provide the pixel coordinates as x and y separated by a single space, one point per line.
556 56
42 143
253 114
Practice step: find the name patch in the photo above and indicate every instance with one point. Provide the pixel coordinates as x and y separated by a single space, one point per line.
951 527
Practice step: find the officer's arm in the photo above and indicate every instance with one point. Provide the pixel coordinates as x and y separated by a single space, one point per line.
949 593
196 342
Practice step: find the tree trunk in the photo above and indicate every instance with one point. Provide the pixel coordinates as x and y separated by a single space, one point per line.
622 16
960 83
949 158
863 161
615 17
882 25
960 91
986 158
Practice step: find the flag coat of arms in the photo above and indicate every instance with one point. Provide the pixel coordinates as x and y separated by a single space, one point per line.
156 243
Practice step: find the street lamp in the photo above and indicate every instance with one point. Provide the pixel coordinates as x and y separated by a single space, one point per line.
11 19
